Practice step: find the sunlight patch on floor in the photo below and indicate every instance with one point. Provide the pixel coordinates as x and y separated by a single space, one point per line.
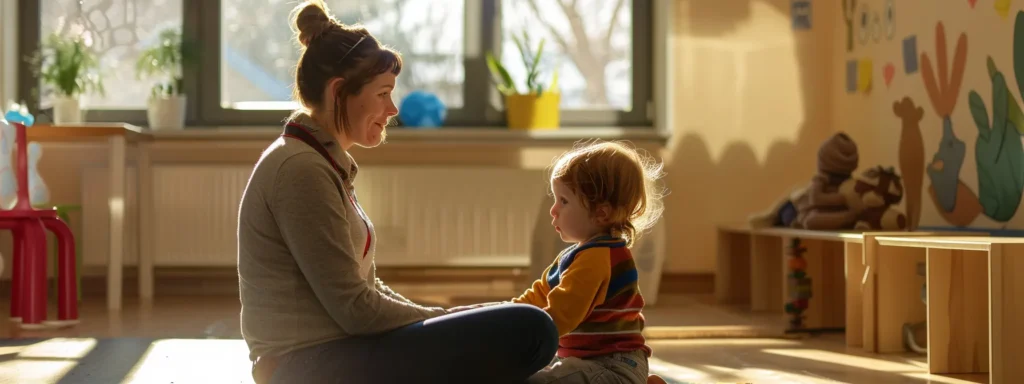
712 373
675 372
214 361
872 364
35 371
58 348
666 343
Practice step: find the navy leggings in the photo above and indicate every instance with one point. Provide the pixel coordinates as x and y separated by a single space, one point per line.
497 344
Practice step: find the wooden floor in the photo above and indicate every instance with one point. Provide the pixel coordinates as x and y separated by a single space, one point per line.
174 338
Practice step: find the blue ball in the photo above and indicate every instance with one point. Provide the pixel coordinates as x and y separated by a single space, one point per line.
422 109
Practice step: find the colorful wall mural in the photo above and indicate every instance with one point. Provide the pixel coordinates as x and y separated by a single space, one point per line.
948 115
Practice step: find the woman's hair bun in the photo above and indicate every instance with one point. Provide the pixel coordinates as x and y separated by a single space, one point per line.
310 19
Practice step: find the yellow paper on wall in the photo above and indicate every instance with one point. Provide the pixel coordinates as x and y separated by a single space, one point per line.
864 75
1002 7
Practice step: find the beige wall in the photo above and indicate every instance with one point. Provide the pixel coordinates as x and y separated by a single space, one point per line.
754 100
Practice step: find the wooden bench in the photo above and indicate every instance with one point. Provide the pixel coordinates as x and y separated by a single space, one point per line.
869 291
752 271
975 288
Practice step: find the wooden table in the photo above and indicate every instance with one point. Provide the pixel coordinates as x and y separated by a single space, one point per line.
975 288
118 137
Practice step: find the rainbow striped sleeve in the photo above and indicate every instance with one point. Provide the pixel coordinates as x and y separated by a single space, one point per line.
579 288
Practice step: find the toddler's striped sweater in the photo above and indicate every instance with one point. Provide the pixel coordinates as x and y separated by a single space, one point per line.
592 294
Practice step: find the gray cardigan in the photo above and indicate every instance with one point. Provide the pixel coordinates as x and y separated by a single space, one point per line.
302 274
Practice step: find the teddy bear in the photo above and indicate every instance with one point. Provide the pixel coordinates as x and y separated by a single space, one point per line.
819 205
873 195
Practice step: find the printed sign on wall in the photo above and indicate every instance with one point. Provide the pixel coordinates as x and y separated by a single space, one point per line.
801 12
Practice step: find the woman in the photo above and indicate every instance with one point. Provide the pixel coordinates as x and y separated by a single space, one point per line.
312 308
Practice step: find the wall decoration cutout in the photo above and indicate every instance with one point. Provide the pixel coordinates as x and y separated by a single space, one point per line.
1003 7
910 54
864 69
851 76
972 3
911 157
800 10
957 204
887 73
876 27
864 24
849 11
998 149
889 20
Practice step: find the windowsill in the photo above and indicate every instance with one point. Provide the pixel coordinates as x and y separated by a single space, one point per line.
401 134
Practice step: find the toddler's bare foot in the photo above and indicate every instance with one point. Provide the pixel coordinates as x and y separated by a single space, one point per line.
655 379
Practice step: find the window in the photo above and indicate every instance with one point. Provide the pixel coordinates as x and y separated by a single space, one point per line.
601 48
117 30
588 41
258 49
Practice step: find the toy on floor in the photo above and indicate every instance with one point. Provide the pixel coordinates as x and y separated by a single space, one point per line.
799 284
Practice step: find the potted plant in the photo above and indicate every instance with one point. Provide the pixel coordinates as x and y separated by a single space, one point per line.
535 106
165 61
71 68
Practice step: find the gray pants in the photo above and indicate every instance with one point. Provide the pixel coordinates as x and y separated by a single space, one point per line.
616 368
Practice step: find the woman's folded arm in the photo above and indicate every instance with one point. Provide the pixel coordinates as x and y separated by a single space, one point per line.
310 213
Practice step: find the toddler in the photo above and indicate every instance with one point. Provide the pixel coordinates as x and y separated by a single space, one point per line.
604 198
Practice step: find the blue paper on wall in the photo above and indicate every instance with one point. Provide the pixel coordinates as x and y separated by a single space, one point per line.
801 13
910 54
851 76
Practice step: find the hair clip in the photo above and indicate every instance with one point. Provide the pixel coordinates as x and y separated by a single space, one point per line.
351 49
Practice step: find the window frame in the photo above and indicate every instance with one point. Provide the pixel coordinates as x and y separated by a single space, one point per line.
201 22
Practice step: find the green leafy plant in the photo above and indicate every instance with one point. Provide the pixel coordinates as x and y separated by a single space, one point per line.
166 60
531 62
67 64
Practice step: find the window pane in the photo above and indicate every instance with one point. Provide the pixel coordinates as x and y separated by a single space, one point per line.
259 51
118 30
589 40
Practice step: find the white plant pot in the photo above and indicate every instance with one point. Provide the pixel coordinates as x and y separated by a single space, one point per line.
67 110
166 113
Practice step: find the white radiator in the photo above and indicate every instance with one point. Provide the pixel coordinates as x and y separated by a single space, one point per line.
424 216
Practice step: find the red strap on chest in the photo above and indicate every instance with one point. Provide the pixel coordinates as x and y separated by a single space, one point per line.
298 132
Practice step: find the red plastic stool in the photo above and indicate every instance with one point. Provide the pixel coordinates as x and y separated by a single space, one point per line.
28 278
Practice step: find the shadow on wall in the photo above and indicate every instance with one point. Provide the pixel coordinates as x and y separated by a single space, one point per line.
753 103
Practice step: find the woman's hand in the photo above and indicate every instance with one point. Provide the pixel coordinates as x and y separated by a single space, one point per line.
461 308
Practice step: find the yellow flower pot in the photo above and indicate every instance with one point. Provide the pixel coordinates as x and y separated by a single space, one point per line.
533 112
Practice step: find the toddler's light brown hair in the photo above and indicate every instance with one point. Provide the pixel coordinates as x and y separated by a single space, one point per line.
618 175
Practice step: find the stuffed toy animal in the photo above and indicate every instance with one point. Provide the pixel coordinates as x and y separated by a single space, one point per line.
873 196
820 205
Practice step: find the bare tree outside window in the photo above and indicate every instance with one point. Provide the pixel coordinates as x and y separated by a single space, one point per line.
259 52
589 40
117 30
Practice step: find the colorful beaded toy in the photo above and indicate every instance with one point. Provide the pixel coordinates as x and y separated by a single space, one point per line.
799 284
